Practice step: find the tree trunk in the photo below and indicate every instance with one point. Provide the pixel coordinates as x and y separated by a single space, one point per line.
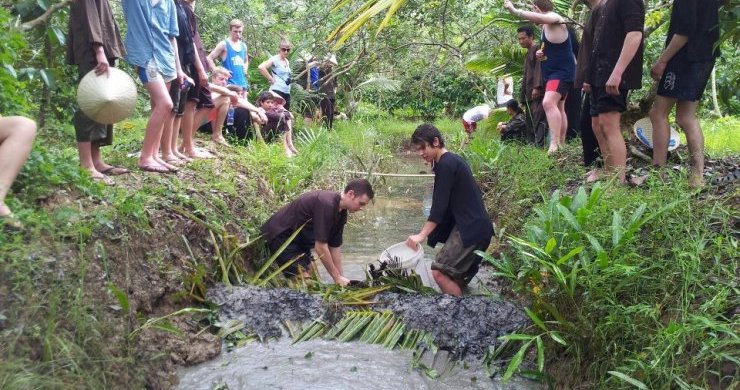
715 101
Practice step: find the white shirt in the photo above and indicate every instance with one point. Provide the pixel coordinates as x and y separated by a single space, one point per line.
501 97
477 113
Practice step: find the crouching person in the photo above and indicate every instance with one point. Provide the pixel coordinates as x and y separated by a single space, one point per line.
458 217
324 214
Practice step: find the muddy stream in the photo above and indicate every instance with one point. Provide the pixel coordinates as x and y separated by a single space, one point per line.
466 324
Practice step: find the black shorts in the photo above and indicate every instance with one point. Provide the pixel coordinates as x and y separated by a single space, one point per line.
201 95
559 86
602 102
297 249
179 96
685 81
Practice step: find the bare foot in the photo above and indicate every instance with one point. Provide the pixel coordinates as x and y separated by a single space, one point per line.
166 165
220 141
181 156
195 153
552 150
592 175
696 180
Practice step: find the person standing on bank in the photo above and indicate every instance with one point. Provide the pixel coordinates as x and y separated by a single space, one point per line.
276 70
682 72
531 93
458 217
558 65
94 43
591 151
233 55
323 215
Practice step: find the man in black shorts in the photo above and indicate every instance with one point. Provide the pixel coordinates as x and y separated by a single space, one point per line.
322 216
615 68
458 217
682 72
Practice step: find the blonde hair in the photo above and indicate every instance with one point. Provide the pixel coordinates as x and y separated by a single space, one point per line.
220 71
235 23
285 42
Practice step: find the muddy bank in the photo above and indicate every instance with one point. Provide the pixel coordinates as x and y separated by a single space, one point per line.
466 325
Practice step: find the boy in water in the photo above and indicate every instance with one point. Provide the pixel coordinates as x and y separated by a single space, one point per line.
458 217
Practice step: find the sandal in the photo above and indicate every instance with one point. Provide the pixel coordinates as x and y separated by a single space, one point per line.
10 222
104 179
115 171
155 168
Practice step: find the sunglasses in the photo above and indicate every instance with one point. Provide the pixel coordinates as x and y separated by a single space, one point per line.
285 49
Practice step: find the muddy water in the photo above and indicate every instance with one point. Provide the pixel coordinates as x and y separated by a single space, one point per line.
466 325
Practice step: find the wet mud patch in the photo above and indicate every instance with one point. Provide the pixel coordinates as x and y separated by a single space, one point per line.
262 310
466 325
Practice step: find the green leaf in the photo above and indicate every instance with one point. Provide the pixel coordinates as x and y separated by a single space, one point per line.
555 336
616 227
515 362
629 379
551 243
56 35
120 296
48 78
570 254
517 336
603 259
533 316
540 354
11 70
569 217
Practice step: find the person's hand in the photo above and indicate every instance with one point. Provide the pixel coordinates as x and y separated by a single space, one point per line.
540 55
414 241
536 94
272 80
341 280
656 72
189 80
103 67
181 76
508 5
587 87
234 97
612 85
202 78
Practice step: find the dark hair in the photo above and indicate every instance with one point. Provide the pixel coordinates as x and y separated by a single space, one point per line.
514 106
425 134
360 187
543 5
266 95
529 30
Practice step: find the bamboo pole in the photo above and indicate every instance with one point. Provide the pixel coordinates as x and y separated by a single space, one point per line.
391 174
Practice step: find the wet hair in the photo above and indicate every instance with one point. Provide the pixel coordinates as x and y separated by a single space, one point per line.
514 106
235 23
543 5
529 30
425 134
220 70
360 187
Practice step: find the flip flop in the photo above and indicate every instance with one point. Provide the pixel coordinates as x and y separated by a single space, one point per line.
155 168
105 180
115 171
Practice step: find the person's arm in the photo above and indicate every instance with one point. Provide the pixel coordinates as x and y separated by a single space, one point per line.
95 34
217 52
322 250
199 68
548 18
263 67
181 76
629 49
244 103
539 82
336 255
674 46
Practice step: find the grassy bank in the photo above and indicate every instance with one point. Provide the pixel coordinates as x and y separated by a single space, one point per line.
94 263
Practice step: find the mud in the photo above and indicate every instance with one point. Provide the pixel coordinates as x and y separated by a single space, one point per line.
263 310
466 325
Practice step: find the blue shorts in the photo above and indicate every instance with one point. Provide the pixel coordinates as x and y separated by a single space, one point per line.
151 73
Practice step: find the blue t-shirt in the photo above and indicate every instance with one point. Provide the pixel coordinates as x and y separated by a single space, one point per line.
150 26
234 63
281 75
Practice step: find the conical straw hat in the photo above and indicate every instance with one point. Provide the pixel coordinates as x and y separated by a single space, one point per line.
107 100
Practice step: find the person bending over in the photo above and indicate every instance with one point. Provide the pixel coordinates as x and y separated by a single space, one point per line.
320 216
458 217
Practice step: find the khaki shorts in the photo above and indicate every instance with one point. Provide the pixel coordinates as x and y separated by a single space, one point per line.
457 261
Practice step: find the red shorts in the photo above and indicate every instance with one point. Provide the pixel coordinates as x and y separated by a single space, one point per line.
561 87
469 126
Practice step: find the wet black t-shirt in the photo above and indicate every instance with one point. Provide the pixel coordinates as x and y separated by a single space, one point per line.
319 210
457 201
699 21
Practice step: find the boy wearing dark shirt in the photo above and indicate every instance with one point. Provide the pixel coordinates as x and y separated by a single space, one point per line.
615 67
458 216
682 71
323 215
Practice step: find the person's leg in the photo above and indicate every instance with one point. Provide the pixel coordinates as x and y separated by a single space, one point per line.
551 104
598 132
161 111
564 126
16 140
689 123
222 104
589 142
661 128
615 152
289 136
447 284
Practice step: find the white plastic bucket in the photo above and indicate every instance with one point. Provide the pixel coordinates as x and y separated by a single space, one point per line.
400 256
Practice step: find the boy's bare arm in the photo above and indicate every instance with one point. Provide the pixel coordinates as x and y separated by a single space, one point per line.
216 52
